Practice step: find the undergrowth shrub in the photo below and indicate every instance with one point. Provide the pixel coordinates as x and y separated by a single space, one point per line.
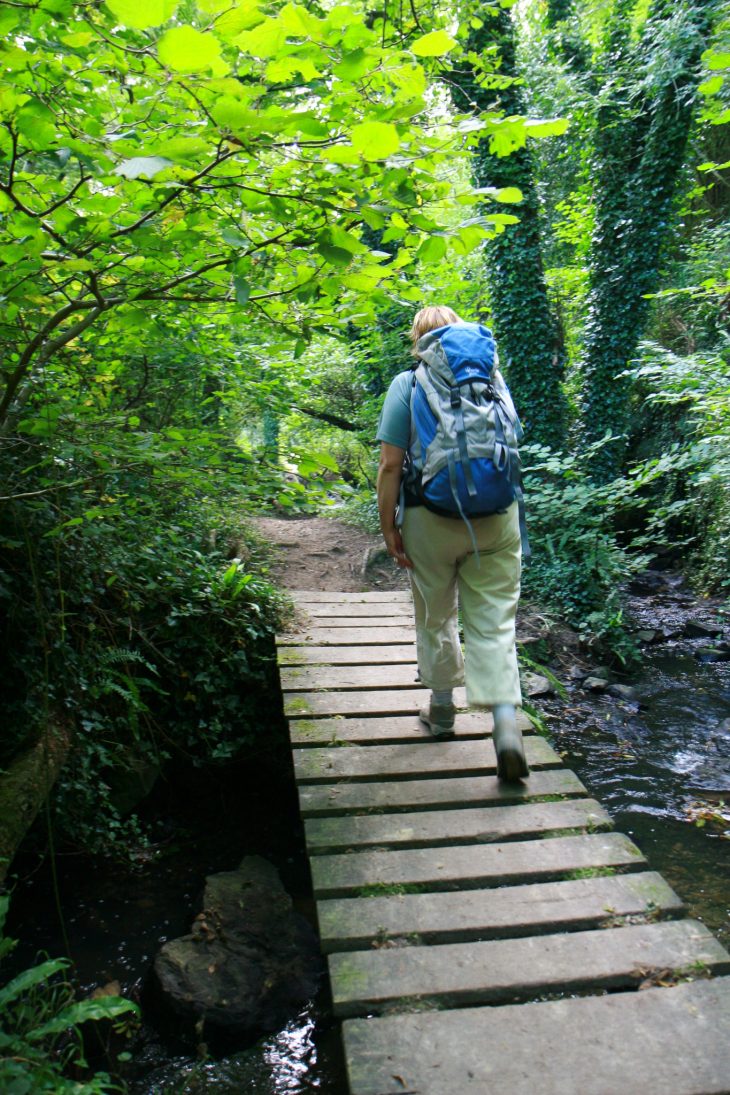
137 600
41 1043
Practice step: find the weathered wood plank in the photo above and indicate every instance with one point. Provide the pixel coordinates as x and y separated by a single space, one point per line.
473 865
347 677
657 1042
459 974
383 762
394 729
348 636
402 701
365 623
346 655
322 800
352 923
318 596
434 828
347 610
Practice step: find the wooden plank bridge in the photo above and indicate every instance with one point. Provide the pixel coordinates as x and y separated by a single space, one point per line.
480 936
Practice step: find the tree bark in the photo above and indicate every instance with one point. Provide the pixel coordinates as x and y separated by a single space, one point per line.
24 788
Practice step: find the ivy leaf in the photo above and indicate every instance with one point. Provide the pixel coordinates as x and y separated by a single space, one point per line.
142 166
185 49
435 44
142 14
375 140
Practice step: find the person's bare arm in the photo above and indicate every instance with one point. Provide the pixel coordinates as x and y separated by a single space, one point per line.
389 476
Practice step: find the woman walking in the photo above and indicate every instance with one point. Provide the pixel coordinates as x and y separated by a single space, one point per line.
454 562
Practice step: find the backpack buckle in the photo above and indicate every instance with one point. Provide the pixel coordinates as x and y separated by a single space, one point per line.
455 398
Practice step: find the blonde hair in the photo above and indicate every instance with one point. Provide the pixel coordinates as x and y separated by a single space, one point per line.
428 319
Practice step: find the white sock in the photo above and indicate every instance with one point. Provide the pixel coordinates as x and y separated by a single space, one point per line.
503 712
443 696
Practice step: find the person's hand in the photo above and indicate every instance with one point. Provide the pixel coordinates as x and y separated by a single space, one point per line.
394 544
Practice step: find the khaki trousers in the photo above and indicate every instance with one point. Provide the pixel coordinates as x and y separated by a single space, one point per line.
446 576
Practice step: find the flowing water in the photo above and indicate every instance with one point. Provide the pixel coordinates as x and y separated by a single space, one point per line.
649 760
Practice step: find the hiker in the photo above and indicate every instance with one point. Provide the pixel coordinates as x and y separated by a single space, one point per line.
477 557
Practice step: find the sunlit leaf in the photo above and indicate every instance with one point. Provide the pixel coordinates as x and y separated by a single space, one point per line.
435 44
141 14
375 140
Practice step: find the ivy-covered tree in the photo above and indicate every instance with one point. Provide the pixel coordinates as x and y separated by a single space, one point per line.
531 346
648 92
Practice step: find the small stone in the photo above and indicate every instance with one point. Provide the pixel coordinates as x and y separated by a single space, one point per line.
709 655
646 636
535 685
700 629
622 692
594 684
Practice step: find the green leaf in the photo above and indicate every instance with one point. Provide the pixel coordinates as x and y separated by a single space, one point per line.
142 166
141 14
353 65
335 256
435 44
184 49
29 978
508 195
432 250
711 86
243 290
716 59
375 140
546 127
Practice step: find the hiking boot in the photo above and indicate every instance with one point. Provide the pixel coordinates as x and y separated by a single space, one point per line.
439 718
507 737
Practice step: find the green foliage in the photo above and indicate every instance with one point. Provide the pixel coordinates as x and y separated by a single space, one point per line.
136 600
531 352
696 389
578 566
642 125
41 1046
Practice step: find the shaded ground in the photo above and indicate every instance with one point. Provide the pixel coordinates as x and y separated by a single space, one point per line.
323 553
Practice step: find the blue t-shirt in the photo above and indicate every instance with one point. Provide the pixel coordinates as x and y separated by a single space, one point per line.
394 425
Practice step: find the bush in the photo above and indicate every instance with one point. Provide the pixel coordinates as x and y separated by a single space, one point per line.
40 1035
137 601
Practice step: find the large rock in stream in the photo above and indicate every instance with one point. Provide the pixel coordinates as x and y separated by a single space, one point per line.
248 965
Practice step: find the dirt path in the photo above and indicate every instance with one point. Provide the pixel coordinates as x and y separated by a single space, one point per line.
322 553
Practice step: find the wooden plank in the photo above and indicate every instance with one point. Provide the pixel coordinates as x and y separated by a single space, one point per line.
459 974
382 762
472 866
403 701
366 623
352 923
657 1042
323 800
347 677
346 655
434 828
346 610
348 636
392 729
319 596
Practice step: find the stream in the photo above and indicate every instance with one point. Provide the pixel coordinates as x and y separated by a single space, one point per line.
658 758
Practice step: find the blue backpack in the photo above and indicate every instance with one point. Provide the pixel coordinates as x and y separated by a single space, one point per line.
462 459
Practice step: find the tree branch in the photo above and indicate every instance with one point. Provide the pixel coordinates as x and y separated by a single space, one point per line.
330 419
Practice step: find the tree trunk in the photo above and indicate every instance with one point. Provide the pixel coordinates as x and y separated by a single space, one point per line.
24 788
531 348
